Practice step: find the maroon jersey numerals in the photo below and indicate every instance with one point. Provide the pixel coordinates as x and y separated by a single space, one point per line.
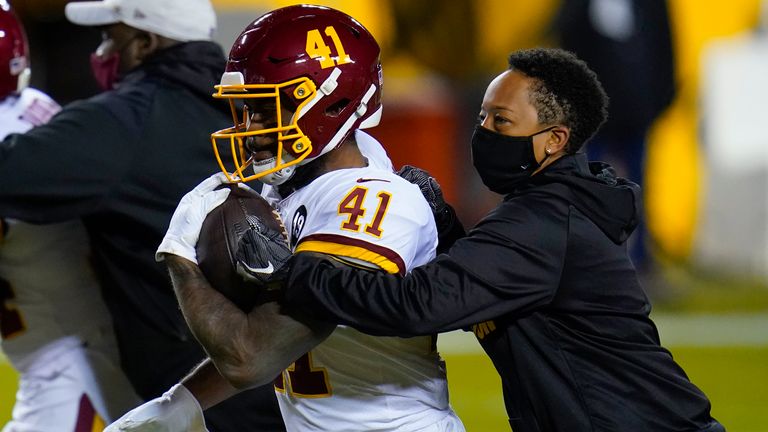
304 380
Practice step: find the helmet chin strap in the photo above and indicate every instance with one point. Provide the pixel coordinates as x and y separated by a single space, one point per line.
23 80
278 177
275 178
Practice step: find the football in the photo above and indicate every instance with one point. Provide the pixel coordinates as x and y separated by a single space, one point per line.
221 231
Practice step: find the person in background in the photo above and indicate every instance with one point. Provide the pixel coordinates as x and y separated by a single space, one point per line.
544 280
628 43
120 161
54 327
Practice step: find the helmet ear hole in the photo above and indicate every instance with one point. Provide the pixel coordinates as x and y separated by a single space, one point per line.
337 107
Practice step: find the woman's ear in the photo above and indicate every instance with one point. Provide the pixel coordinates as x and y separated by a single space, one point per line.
558 140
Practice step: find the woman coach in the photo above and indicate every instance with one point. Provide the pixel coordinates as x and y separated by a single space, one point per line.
544 280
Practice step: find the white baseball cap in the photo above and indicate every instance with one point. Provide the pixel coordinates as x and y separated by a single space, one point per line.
181 20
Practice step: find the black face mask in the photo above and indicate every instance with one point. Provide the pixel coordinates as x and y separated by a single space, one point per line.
502 161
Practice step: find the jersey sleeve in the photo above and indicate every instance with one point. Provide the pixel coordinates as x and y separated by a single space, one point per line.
382 221
20 113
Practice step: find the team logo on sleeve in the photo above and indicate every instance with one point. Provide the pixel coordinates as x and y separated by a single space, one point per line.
297 225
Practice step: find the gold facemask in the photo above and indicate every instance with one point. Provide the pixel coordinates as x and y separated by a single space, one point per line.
293 146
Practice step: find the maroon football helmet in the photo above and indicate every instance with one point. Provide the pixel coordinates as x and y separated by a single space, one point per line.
318 69
14 53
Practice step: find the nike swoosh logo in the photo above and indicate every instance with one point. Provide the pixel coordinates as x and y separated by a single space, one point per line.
364 180
266 270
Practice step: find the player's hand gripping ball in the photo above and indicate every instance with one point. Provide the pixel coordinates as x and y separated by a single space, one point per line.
242 245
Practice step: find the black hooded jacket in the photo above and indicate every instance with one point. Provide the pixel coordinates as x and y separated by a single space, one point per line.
545 283
121 161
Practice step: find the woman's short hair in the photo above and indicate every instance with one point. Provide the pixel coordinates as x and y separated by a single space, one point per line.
566 91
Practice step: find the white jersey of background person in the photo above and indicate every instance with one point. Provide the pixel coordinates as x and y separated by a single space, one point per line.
55 329
353 381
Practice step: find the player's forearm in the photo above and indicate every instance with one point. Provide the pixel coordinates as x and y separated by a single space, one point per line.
208 385
247 349
217 323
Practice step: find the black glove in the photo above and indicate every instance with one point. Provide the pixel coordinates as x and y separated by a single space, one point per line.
429 188
449 227
261 255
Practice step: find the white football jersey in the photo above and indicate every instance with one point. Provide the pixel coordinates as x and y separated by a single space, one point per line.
353 381
373 151
55 329
20 113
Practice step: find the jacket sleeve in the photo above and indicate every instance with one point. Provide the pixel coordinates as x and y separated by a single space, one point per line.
509 264
64 169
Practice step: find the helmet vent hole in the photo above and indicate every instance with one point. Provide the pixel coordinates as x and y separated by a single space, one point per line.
335 109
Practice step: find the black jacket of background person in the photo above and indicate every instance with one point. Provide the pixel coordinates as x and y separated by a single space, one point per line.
121 161
545 283
636 68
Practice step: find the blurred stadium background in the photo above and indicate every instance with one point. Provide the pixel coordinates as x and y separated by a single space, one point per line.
706 168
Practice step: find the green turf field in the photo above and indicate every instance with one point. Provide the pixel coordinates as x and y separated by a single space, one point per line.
7 390
734 377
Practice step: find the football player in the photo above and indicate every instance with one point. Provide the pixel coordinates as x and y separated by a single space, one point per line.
308 78
54 327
